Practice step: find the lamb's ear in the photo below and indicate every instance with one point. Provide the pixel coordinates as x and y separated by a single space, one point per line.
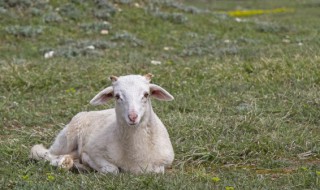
148 76
160 93
103 96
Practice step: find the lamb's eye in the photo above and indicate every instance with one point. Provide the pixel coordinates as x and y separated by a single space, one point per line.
146 95
117 96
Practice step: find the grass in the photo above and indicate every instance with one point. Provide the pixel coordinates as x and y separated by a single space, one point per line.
246 110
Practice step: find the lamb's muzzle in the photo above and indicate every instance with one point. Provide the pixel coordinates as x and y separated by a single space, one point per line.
132 117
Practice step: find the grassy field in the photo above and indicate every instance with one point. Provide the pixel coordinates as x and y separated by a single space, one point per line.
246 113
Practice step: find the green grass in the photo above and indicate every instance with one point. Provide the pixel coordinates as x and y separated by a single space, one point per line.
247 104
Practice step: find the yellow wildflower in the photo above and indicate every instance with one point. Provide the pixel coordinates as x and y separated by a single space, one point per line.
244 13
229 188
71 91
216 179
50 177
304 168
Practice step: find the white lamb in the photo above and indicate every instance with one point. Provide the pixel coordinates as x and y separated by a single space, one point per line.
128 138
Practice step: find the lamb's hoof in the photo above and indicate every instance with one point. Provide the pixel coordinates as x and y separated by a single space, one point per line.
66 162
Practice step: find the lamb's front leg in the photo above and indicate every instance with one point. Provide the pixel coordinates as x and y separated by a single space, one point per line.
62 161
158 169
99 164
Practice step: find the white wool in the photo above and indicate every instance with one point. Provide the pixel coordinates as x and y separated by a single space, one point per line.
129 137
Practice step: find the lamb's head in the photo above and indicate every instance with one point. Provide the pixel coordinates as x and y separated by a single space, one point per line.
132 96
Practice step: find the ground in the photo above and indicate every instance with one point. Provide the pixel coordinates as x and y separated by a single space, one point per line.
245 76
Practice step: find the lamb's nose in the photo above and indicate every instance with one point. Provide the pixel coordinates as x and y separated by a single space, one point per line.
133 117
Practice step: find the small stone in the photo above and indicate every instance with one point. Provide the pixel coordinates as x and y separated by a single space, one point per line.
154 62
14 105
49 54
167 48
91 47
104 32
137 5
238 19
286 41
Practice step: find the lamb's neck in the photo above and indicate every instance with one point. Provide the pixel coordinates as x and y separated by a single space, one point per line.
140 134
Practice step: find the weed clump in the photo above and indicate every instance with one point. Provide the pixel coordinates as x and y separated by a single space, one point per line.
174 10
35 11
104 10
23 4
187 9
271 28
177 6
3 10
210 46
176 18
24 31
123 1
126 36
71 11
95 26
52 17
18 3
72 49
102 14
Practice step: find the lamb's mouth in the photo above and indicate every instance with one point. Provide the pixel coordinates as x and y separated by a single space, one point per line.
133 124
